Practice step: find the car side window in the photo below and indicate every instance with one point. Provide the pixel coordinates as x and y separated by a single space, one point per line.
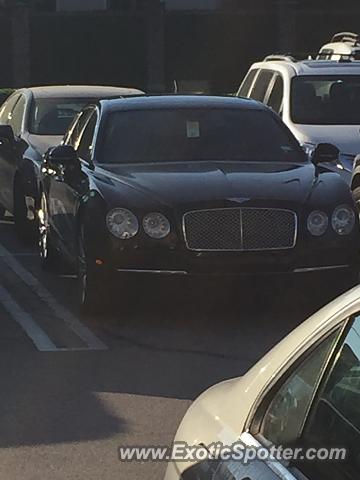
17 116
261 85
285 416
326 54
7 108
334 420
73 136
247 83
86 142
275 100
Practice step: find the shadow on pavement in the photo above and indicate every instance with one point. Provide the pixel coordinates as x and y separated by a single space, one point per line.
51 398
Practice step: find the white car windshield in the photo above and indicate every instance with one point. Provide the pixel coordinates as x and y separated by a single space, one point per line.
52 116
326 100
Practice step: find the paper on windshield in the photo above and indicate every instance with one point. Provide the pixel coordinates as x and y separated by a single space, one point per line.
192 129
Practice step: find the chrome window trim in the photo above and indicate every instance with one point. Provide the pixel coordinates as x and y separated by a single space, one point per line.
274 465
156 272
321 268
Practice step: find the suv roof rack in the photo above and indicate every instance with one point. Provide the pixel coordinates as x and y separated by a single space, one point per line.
346 37
280 57
295 58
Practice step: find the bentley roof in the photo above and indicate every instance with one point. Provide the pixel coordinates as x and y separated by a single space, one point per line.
180 101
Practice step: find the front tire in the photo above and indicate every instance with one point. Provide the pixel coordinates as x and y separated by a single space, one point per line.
49 256
93 287
26 228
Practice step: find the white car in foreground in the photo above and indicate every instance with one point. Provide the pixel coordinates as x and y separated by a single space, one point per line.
305 392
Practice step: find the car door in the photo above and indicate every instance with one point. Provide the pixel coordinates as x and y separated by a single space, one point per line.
277 421
65 191
7 153
317 408
232 470
334 417
314 409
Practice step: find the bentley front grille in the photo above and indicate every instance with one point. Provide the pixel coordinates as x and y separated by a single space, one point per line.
240 229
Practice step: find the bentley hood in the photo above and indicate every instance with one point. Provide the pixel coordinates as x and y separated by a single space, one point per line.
197 182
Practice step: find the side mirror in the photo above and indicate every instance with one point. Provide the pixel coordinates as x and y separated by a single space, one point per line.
6 134
325 153
64 155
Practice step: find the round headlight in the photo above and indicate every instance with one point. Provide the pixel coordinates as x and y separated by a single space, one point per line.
317 223
122 223
343 220
156 225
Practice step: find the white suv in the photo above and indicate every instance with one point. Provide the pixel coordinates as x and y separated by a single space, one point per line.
318 100
343 46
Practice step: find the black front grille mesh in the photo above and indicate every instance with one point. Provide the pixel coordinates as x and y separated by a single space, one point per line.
244 229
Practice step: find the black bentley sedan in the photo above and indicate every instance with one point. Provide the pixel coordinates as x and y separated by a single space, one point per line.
31 120
190 185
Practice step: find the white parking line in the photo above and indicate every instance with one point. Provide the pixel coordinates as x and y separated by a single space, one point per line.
41 341
59 310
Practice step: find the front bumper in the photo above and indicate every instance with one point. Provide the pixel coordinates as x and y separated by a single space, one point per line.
184 272
172 260
170 256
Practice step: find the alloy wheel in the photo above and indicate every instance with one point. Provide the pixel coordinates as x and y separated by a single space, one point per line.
82 269
44 230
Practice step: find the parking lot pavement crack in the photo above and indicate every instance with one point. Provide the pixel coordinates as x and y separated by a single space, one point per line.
157 348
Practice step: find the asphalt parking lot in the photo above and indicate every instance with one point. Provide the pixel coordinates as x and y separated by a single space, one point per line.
75 388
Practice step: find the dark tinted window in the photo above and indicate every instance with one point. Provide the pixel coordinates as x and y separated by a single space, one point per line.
276 96
196 134
261 85
286 414
247 83
326 100
53 116
73 136
85 145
